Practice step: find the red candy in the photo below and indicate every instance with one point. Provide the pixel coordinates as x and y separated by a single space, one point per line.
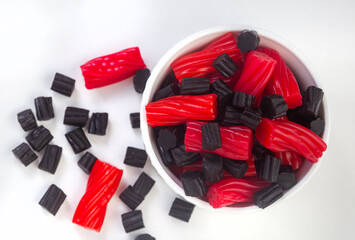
102 184
251 168
283 135
178 109
112 68
237 141
290 158
230 81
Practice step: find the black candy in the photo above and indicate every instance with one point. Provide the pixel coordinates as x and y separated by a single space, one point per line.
77 140
140 79
132 221
86 162
242 100
225 65
24 153
164 92
211 136
194 184
39 138
248 40
250 118
232 116
181 210
273 106
224 96
194 86
258 149
166 157
267 196
131 198
51 158
317 126
44 108
145 236
63 84
135 120
311 102
98 123
135 157
166 139
269 168
53 199
237 168
143 185
27 120
183 158
76 116
287 177
212 167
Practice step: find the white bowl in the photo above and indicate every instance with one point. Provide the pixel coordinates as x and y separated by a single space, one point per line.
301 67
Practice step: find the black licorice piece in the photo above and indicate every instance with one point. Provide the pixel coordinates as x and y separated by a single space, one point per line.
237 168
194 184
232 116
179 131
135 120
135 157
145 236
39 138
225 65
86 162
222 90
164 92
63 84
140 79
212 167
51 158
250 118
77 140
287 177
258 149
311 102
248 40
211 136
53 199
267 196
44 108
27 120
242 100
98 123
269 168
317 126
194 86
166 139
181 210
131 198
166 157
273 106
143 185
24 153
76 116
132 221
183 158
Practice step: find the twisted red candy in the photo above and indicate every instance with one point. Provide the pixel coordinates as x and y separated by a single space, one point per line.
290 158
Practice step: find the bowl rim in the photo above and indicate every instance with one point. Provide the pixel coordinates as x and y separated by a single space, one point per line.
148 92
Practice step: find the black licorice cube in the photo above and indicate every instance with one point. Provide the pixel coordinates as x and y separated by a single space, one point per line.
258 149
98 123
212 167
317 126
181 210
76 116
311 102
166 157
222 90
131 198
211 136
53 199
194 184
86 162
145 236
135 120
39 138
24 153
63 84
269 168
248 40
77 140
267 196
140 79
225 65
273 106
135 157
166 139
242 100
250 118
194 86
287 177
183 158
237 168
132 221
143 185
27 120
232 116
164 92
44 108
51 158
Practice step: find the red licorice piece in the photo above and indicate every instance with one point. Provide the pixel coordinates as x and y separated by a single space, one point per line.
257 70
282 81
251 168
283 135
199 64
102 184
196 166
175 110
232 190
230 81
290 158
112 68
237 141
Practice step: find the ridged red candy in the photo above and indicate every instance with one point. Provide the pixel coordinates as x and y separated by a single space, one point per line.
290 158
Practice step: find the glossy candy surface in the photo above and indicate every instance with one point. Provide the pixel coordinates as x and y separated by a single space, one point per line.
27 120
63 84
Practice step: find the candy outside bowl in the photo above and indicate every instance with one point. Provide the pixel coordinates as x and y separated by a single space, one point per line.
298 63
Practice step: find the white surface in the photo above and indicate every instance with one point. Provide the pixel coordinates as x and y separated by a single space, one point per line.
39 38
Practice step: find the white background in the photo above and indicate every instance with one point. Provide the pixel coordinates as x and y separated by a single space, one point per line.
39 38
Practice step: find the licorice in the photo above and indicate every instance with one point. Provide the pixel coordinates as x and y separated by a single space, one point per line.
267 196
225 65
311 102
135 120
317 126
86 162
194 184
181 210
27 120
166 139
63 84
131 198
143 185
44 108
166 157
223 91
237 168
77 140
273 106
51 158
242 100
211 136
258 149
98 123
132 221
250 118
164 92
269 168
248 40
53 199
76 116
183 158
194 86
39 138
135 157
232 116
24 153
212 167
145 236
140 79
287 177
